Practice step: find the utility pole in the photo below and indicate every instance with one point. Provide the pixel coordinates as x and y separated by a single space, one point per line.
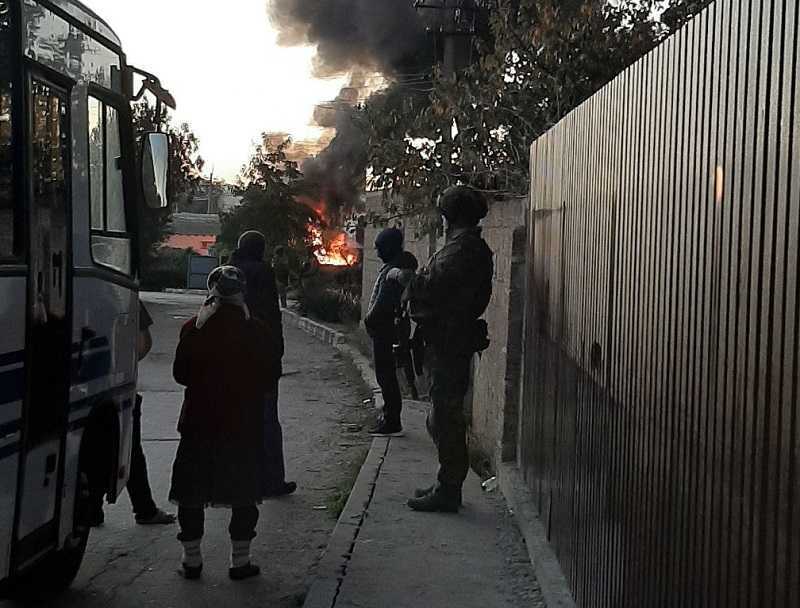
455 28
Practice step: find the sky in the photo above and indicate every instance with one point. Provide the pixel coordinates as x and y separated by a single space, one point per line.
221 62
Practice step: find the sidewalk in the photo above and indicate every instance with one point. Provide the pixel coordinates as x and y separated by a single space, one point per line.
382 554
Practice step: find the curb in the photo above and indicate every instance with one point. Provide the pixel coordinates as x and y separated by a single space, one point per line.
203 292
332 567
543 559
338 340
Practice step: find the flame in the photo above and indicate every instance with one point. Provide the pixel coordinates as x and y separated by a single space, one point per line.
336 252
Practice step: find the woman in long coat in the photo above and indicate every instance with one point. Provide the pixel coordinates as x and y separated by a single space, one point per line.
225 361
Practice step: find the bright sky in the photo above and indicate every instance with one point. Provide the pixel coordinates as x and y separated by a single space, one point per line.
221 62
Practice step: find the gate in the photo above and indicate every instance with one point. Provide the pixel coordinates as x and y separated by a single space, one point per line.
659 429
199 267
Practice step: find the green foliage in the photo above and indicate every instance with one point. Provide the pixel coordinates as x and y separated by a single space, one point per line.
185 166
270 204
330 304
166 268
543 59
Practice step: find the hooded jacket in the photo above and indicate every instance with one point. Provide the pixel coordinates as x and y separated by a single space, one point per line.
261 296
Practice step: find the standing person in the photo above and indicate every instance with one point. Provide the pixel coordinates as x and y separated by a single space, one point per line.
226 361
382 313
447 298
144 507
262 300
280 266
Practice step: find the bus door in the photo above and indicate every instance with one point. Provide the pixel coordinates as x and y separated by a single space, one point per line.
49 333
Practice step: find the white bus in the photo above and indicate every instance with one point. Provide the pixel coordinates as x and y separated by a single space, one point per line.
71 178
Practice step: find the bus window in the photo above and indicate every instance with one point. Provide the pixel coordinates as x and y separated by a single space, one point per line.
96 145
115 196
7 219
111 244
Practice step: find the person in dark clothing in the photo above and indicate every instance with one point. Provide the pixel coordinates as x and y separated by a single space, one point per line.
145 510
222 361
280 266
447 298
262 300
382 313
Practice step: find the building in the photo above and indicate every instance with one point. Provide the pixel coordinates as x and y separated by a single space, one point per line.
196 231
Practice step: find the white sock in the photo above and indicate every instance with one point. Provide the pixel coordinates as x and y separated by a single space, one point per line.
192 556
240 553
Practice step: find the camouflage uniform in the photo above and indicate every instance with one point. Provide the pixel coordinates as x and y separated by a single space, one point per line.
446 300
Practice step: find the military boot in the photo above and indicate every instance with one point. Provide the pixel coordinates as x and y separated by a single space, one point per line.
420 492
443 499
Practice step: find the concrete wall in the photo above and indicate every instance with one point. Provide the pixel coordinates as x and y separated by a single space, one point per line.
493 401
495 392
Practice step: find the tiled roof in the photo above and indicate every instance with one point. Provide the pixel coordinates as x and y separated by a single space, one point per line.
195 223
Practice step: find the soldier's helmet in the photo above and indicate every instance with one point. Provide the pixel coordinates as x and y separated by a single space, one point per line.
463 205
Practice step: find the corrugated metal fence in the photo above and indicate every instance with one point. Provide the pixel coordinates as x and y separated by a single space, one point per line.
659 424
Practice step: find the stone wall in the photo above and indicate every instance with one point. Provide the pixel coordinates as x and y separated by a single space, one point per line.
495 392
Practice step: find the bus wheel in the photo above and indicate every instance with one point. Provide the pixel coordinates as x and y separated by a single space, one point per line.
56 572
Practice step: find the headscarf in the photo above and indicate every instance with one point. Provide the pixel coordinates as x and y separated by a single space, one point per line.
226 285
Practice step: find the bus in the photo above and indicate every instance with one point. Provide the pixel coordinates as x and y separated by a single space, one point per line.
74 182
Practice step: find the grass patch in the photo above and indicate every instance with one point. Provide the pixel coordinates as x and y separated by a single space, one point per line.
338 498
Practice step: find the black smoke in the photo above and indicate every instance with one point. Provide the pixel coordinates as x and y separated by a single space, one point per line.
397 38
382 35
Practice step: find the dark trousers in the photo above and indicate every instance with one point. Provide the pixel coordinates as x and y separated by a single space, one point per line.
242 525
447 424
275 467
138 485
386 374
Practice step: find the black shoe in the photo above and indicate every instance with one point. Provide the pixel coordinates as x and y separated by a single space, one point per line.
385 429
286 488
191 573
239 573
421 492
441 500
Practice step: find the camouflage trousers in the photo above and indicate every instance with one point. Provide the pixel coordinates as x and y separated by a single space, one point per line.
447 425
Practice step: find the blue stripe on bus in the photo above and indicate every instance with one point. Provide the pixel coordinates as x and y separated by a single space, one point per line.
10 427
12 358
12 385
93 366
9 450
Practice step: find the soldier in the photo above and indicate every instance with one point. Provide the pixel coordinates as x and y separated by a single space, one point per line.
447 299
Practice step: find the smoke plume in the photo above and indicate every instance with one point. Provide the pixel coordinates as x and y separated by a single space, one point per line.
355 37
382 35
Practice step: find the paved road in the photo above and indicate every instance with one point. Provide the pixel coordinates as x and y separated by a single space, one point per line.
134 566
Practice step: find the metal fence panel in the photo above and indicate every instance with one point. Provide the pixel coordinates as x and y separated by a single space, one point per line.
659 425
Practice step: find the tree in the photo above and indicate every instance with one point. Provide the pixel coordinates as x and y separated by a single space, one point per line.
270 184
184 174
545 57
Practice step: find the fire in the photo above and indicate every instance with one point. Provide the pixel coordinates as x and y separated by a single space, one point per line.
336 252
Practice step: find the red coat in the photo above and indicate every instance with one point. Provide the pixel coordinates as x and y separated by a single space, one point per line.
226 367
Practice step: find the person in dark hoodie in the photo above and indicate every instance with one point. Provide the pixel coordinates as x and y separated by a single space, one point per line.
382 313
223 363
262 301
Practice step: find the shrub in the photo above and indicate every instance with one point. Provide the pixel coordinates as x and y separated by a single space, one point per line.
333 305
167 268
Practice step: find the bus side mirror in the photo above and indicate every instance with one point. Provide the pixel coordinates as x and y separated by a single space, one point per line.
155 170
